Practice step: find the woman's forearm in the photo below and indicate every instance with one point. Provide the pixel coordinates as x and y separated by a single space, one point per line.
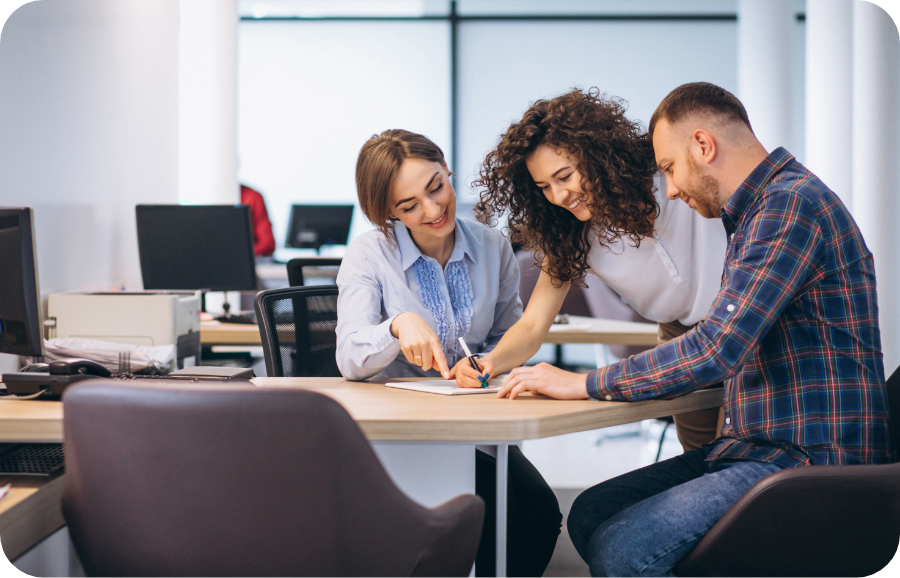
516 347
524 338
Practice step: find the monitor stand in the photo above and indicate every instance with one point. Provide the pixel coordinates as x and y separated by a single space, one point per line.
229 318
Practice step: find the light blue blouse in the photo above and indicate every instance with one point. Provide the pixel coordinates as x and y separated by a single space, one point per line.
377 282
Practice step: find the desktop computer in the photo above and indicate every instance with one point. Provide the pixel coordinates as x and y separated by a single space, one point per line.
20 296
21 332
312 226
197 247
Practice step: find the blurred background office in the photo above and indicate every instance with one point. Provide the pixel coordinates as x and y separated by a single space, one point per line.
107 104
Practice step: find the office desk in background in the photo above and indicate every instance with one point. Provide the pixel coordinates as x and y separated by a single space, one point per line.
578 330
425 441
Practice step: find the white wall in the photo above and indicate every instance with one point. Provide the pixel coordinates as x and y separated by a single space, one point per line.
88 129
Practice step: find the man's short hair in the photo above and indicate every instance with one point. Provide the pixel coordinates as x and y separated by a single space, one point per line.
699 97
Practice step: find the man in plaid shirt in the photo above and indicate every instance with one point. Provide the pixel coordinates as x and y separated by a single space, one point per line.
794 327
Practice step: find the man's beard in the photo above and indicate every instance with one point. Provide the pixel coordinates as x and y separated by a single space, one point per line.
704 190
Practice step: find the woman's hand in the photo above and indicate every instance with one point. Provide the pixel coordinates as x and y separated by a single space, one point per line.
419 343
466 376
545 379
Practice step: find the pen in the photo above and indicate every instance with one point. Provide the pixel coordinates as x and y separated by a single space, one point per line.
471 359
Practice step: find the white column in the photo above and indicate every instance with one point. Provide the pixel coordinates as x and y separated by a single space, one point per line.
876 120
208 102
765 29
829 94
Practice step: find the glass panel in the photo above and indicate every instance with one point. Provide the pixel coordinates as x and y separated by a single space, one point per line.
505 66
342 8
595 7
311 93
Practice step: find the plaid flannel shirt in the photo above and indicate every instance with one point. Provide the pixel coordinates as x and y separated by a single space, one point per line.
795 325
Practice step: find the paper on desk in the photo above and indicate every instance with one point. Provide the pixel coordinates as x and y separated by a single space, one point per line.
570 326
107 352
447 386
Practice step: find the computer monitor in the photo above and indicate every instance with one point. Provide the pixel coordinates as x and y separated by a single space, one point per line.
196 247
20 295
312 226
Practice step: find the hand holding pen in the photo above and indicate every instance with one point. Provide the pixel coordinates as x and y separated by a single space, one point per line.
482 377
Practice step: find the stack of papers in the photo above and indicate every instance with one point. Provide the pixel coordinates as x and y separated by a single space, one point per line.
107 353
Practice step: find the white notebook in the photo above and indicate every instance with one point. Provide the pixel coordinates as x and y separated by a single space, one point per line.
447 386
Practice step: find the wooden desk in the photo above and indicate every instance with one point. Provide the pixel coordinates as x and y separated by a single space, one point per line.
396 415
579 330
425 441
30 512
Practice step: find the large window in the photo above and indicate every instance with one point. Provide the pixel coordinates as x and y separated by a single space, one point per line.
311 93
319 77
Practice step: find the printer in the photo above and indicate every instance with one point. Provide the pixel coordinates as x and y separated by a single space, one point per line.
136 317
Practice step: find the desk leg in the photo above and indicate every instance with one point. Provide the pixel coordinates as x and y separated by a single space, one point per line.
502 474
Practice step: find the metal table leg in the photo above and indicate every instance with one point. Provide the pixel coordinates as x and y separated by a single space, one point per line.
502 474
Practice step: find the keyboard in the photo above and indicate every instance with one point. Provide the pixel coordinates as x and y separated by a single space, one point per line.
30 459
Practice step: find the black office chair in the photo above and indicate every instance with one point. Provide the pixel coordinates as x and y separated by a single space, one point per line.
188 479
809 521
295 267
296 326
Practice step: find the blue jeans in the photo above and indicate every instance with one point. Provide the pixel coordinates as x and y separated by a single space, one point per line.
644 522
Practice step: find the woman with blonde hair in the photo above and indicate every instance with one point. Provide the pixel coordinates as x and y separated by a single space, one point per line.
415 285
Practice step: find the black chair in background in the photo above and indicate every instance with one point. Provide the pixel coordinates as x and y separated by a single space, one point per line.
295 267
189 479
809 521
297 329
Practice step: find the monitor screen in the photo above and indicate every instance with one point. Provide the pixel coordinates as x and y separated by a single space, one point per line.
312 226
20 295
196 247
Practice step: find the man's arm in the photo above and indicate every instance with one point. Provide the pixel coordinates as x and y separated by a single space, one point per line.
774 260
777 254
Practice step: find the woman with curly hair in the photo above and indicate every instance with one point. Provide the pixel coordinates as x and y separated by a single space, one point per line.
578 183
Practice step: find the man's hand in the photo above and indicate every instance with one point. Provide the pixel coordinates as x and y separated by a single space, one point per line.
466 376
545 379
419 343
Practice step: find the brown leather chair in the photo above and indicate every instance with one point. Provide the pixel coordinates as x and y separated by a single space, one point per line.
809 521
189 479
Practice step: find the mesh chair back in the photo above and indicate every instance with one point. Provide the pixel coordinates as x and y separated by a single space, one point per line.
297 327
295 268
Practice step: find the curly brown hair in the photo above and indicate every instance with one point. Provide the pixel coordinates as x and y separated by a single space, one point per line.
615 158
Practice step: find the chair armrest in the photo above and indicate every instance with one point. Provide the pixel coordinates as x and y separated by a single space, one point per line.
806 521
456 528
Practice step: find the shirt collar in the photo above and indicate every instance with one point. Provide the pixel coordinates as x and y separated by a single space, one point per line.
409 253
752 188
